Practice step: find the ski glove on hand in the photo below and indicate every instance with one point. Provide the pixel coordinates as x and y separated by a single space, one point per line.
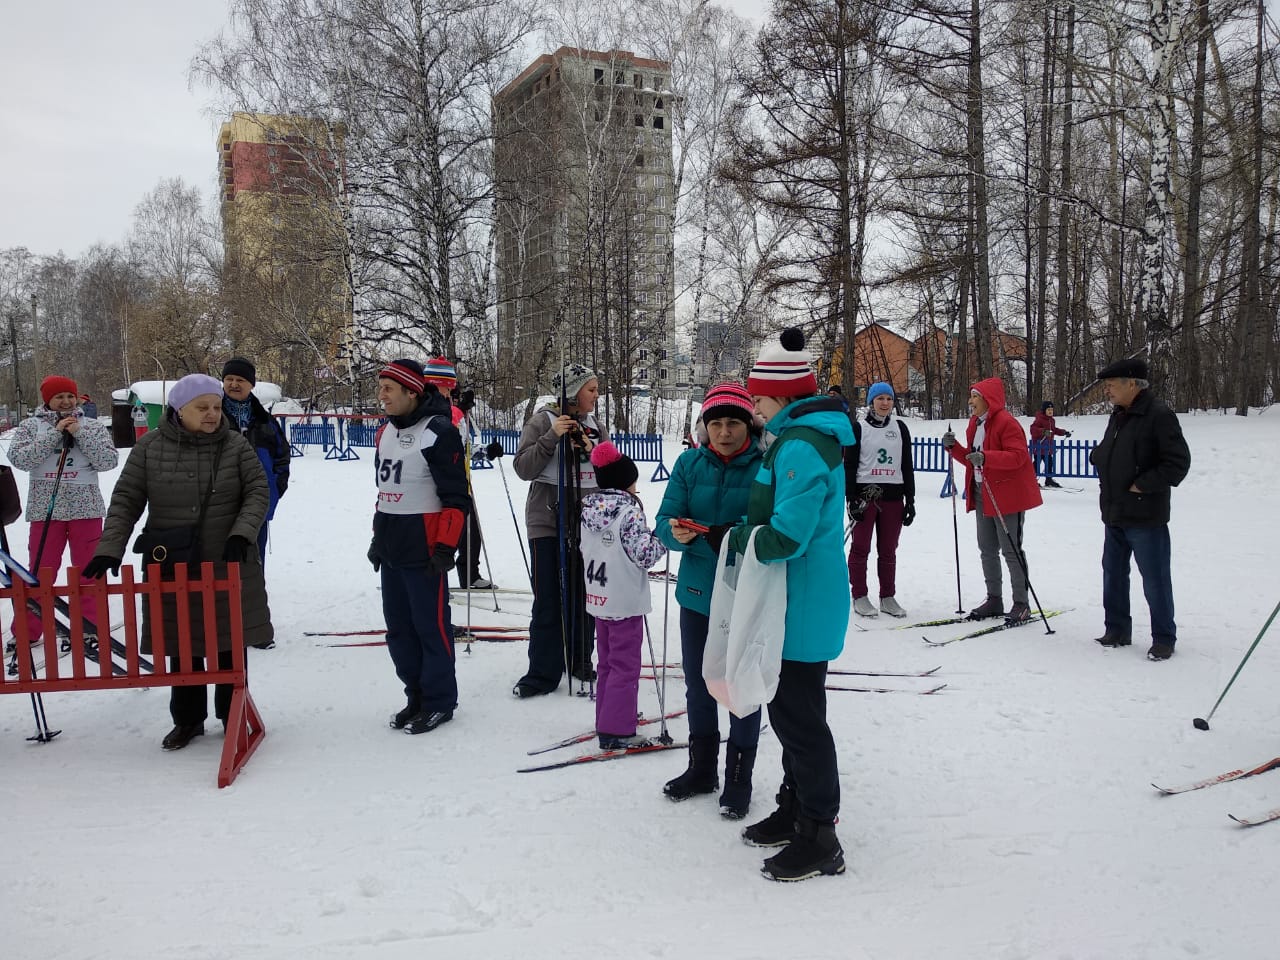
856 509
493 451
948 440
442 558
99 565
977 458
236 550
374 558
909 513
1067 433
715 535
466 400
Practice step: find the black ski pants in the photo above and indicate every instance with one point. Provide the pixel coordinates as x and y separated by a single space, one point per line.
798 713
547 627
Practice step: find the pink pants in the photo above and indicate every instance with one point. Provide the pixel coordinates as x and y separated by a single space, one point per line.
83 537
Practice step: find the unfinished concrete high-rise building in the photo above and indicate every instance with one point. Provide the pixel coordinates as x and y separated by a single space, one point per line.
585 219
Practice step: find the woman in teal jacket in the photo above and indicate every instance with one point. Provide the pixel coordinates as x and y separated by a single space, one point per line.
796 508
709 485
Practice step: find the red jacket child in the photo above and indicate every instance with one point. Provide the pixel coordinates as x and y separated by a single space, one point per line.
1009 479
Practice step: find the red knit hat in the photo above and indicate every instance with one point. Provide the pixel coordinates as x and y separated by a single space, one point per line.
727 400
50 387
783 370
614 469
407 373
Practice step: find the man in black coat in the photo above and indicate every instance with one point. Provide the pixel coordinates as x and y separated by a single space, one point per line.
1141 458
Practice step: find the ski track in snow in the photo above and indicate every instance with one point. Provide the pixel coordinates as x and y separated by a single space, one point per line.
1009 817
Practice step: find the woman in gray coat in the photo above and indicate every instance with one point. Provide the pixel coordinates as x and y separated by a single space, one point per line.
168 475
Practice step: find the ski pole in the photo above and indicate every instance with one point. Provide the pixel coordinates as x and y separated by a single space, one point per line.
37 700
1202 723
494 452
955 523
1017 553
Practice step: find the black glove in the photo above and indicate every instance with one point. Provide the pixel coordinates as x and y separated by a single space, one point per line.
443 557
909 513
715 535
236 550
856 509
493 451
374 558
466 400
1067 434
99 565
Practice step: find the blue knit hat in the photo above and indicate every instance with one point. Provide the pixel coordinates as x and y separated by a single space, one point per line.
879 390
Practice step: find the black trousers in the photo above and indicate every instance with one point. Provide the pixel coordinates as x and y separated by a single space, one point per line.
798 713
469 553
547 629
190 704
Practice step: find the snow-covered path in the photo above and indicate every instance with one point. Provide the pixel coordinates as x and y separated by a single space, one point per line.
1008 817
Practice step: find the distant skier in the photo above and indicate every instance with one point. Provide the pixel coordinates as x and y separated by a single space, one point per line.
1043 429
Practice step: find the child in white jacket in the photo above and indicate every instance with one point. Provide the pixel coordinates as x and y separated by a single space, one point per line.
618 548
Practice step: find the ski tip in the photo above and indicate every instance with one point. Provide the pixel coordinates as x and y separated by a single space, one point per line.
941 686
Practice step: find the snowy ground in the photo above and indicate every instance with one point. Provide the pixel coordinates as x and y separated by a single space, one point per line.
1008 817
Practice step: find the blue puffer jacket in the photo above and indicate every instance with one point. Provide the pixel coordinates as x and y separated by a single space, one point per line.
797 502
704 488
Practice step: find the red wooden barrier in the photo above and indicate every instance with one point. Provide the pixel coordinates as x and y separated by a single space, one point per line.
244 725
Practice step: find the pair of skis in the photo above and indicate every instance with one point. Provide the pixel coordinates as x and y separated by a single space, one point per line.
479 633
1228 777
12 568
984 631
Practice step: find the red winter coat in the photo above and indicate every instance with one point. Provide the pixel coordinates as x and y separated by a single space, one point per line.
1045 428
1007 472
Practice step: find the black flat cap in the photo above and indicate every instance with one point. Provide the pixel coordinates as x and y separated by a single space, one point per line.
1131 369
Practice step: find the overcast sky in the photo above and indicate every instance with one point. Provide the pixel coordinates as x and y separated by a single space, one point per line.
96 111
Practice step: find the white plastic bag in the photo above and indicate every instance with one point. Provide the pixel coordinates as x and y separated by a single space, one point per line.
743 654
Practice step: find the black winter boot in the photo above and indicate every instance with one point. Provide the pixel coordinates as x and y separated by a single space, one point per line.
777 828
736 798
700 776
814 852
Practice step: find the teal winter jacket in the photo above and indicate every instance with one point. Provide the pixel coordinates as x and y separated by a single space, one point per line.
797 504
704 488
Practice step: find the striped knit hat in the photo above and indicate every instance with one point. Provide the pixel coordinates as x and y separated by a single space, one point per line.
407 373
440 371
728 400
783 370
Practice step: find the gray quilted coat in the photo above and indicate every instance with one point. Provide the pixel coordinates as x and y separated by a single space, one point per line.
167 474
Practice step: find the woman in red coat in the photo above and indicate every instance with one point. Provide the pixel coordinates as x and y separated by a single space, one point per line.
998 473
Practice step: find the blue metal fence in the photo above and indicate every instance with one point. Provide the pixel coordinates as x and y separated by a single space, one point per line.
640 447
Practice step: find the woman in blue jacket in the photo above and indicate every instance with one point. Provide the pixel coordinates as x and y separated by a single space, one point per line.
709 484
796 508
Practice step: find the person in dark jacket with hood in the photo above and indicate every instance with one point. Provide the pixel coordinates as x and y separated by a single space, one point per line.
422 511
1142 456
250 418
709 485
1044 427
998 474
